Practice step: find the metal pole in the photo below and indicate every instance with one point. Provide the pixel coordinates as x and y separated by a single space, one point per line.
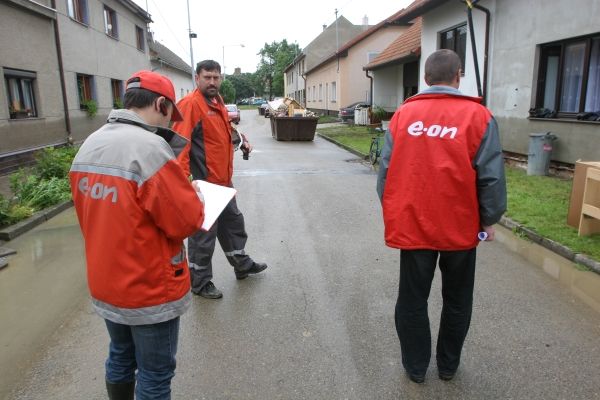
191 49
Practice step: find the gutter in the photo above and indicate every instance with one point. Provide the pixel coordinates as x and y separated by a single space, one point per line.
61 73
370 87
486 49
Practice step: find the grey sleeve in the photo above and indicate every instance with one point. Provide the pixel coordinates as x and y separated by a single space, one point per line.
491 182
384 162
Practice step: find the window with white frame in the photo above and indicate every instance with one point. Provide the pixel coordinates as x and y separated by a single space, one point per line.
308 97
569 76
20 93
371 55
455 39
314 93
77 10
320 92
110 22
333 92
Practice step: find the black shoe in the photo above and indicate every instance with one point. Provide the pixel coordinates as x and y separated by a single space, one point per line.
446 376
120 391
209 291
416 378
254 269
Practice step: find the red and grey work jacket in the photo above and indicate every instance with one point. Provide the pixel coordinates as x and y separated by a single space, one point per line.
209 154
441 176
135 206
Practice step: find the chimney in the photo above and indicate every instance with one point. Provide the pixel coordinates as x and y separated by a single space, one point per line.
365 23
324 26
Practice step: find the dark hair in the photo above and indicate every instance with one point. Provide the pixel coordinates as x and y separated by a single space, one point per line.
208 65
441 67
141 98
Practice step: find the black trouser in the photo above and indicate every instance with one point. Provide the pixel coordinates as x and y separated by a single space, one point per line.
229 229
417 268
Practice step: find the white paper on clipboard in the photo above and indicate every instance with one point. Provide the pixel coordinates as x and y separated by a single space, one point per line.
216 197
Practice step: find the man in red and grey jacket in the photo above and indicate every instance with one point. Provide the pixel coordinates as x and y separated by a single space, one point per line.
135 206
441 182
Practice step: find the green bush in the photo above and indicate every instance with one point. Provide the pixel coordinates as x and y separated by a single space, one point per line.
42 186
54 162
11 213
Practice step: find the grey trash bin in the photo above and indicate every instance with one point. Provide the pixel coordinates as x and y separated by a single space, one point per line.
540 151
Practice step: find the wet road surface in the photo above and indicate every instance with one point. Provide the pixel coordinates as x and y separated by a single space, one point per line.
318 323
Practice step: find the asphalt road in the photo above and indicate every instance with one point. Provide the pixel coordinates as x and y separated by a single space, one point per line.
318 323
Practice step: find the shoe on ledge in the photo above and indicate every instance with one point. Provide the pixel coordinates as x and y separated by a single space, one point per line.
209 291
254 269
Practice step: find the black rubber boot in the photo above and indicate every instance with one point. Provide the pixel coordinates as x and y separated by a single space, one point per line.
120 391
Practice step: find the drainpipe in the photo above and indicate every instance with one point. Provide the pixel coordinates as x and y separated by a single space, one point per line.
486 49
473 46
61 72
370 86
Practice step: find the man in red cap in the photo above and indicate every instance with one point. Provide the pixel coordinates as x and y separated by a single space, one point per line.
135 206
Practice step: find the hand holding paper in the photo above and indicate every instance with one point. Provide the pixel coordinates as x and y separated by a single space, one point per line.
215 199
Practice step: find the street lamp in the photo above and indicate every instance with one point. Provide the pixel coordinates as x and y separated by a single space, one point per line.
228 45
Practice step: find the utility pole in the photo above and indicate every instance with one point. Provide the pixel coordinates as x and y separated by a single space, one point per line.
192 35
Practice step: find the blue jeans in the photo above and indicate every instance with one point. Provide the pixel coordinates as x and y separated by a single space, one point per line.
151 350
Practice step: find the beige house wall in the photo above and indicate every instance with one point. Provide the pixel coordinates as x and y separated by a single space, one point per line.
350 80
27 43
88 50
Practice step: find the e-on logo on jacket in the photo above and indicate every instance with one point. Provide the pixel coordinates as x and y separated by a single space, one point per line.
417 129
98 191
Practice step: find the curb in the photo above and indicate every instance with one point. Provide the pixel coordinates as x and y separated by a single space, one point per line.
19 228
351 150
508 223
551 245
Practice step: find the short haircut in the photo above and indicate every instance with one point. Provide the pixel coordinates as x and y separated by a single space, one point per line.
441 67
140 98
208 65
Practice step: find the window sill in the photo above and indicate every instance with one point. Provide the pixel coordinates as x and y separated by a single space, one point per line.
84 24
567 120
112 37
25 119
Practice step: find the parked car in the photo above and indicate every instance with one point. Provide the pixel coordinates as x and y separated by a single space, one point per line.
234 113
257 101
347 113
266 109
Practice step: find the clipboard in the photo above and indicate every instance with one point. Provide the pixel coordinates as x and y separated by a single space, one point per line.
216 198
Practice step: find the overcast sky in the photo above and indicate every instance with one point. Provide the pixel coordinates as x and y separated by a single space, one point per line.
227 24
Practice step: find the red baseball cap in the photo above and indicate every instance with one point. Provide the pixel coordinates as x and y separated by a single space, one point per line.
158 84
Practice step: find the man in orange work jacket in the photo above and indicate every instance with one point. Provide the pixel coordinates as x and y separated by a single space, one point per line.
441 181
209 157
135 206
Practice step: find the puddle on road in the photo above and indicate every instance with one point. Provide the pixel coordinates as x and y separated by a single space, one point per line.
583 284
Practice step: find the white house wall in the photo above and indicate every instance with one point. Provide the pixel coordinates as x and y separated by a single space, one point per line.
388 87
441 19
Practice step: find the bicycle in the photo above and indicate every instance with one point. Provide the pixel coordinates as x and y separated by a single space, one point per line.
376 146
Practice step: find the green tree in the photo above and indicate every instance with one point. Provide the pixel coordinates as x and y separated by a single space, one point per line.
227 91
274 58
245 85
